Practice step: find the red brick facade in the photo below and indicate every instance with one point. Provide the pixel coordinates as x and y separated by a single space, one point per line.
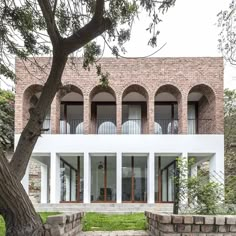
149 76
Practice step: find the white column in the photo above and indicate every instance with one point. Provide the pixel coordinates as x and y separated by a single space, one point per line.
217 167
87 177
44 183
55 181
25 180
118 177
151 178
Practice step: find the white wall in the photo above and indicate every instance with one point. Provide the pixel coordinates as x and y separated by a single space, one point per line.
119 145
68 144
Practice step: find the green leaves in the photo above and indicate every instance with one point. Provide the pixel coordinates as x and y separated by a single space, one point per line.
202 193
6 120
91 52
227 34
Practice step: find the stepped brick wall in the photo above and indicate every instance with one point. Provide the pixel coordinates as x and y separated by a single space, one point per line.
190 225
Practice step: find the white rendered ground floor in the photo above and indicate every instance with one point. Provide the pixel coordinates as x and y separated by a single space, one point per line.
119 168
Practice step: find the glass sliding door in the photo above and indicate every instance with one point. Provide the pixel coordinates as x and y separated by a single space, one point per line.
192 119
134 179
132 119
106 119
71 179
71 118
167 181
140 179
103 179
127 179
166 118
157 179
165 168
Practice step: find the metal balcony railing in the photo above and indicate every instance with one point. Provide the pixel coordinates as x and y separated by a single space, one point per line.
200 126
166 126
132 126
71 126
106 126
47 126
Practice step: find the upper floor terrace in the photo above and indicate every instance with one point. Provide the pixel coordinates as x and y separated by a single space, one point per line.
144 96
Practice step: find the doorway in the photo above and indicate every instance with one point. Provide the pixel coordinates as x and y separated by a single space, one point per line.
134 179
103 179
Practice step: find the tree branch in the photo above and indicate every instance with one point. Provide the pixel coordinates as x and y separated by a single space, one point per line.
99 10
94 28
50 21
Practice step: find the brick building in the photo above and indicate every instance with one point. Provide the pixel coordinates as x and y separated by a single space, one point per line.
120 143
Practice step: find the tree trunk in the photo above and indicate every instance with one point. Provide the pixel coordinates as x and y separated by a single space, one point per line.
32 130
15 206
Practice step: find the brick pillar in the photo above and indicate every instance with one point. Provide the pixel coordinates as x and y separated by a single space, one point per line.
55 115
119 115
150 115
183 114
19 113
86 115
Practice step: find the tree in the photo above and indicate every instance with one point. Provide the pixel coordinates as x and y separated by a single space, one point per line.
59 28
6 120
230 144
227 36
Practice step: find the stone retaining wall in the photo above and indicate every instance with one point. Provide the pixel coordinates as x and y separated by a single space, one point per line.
66 225
188 225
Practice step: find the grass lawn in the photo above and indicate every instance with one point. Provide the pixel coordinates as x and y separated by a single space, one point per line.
43 215
112 222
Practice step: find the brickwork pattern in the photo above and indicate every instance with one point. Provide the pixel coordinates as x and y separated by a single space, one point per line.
64 225
189 225
147 76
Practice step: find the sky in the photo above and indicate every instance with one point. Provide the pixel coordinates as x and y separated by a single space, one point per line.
189 29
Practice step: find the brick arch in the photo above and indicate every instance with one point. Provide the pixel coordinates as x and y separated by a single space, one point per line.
99 89
68 88
136 88
205 89
174 91
206 108
169 88
28 102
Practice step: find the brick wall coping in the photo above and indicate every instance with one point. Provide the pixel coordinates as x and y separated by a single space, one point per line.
64 224
191 219
190 225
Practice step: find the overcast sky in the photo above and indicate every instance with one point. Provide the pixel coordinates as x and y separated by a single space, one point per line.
189 29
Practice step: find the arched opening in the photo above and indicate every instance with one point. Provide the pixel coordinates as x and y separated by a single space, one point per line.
134 110
103 110
30 100
71 110
167 101
201 110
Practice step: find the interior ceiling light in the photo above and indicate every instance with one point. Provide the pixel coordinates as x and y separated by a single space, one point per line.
100 166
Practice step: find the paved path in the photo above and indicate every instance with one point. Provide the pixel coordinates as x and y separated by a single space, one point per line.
115 233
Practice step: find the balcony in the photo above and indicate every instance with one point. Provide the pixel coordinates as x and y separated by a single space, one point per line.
73 126
200 126
166 126
106 126
132 126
